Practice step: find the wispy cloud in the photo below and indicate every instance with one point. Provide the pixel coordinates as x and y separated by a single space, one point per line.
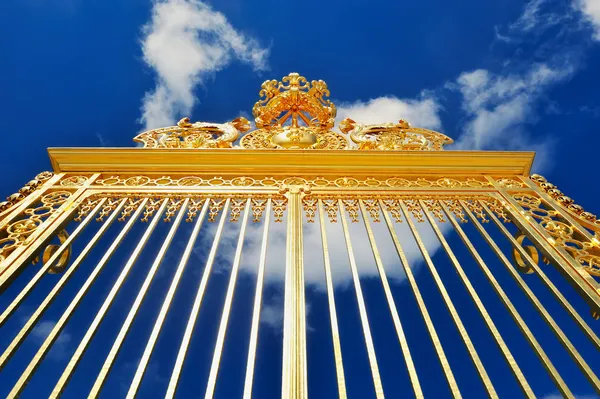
498 105
185 42
501 105
60 347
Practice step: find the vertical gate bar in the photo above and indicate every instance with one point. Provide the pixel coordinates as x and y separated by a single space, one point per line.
361 307
257 303
449 304
547 282
46 266
34 318
580 279
508 304
187 336
141 368
337 347
512 363
214 367
294 376
412 371
116 347
566 343
91 332
41 353
422 308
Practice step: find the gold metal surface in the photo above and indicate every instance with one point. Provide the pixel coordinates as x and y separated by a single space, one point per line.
116 347
257 304
566 343
145 359
53 335
394 136
364 318
37 314
412 372
515 369
189 329
294 379
335 334
448 301
91 332
532 264
214 368
422 308
293 164
508 304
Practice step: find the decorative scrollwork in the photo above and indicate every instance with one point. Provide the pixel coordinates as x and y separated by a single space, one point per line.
351 206
237 206
130 206
63 261
74 181
372 207
214 207
435 208
587 219
19 231
258 208
457 210
24 191
194 135
394 136
279 206
393 207
529 249
310 207
270 181
174 205
563 235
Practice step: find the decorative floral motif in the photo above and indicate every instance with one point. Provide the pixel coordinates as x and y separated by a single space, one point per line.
18 232
74 181
27 189
246 181
564 235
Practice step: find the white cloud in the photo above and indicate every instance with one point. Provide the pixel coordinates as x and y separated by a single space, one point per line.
313 254
499 105
59 349
185 42
535 17
591 11
423 112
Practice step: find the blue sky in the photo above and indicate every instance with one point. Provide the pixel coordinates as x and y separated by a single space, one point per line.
504 75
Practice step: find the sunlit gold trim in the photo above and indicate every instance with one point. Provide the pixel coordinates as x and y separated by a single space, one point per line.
253 343
361 307
116 347
53 335
335 334
187 336
214 367
547 282
410 366
422 308
549 320
448 302
512 363
145 359
537 348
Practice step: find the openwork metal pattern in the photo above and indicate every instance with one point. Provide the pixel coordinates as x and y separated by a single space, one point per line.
468 254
